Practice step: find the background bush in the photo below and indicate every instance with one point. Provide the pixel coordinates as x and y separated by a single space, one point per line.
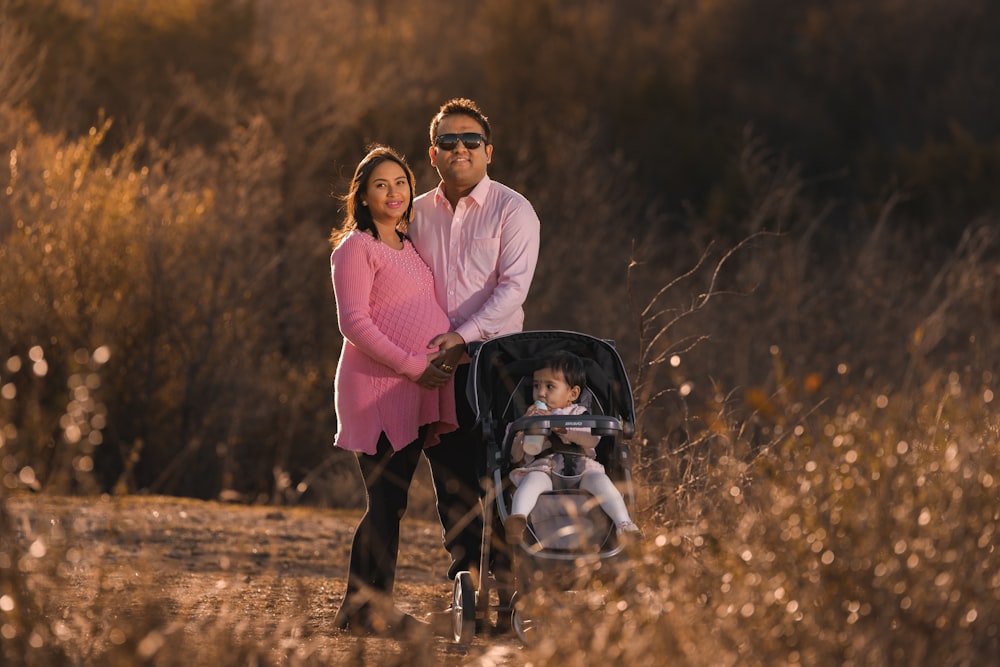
168 191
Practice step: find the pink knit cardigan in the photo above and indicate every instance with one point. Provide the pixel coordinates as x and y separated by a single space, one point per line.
387 313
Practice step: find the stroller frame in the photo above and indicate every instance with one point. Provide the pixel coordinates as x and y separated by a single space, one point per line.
498 393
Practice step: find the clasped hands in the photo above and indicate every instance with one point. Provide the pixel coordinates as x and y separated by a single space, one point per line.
449 348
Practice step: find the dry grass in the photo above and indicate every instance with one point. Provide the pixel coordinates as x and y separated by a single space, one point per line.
868 538
170 581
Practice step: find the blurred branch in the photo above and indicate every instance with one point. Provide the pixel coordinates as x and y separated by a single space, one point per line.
656 323
18 71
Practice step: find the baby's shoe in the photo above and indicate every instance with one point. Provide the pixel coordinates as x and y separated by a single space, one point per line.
628 531
514 527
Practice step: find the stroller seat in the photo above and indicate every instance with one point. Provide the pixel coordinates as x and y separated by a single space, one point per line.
569 521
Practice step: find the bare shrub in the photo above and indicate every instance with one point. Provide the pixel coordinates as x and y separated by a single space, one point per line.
170 267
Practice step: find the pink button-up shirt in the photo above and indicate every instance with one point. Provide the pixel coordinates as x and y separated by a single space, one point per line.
482 254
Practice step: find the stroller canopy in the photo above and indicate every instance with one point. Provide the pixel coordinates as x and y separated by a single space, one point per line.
499 364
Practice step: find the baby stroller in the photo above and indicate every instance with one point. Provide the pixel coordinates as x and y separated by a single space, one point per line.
567 527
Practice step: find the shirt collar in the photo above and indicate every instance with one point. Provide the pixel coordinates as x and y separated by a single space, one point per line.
478 193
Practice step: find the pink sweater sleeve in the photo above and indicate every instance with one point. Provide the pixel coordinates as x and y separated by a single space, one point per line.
353 274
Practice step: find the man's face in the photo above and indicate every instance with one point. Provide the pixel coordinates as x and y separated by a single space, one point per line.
460 168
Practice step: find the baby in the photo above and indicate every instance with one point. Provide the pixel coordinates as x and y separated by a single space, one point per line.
557 386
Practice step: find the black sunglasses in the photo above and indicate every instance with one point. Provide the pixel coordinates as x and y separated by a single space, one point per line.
449 142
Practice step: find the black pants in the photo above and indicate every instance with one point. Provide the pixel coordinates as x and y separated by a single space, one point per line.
387 476
458 463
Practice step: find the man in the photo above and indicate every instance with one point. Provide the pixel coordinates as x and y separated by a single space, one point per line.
481 241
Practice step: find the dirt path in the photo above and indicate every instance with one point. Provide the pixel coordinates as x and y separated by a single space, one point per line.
114 571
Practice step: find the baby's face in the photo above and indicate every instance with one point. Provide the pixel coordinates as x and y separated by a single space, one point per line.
550 387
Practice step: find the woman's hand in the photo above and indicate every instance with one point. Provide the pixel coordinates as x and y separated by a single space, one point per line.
433 376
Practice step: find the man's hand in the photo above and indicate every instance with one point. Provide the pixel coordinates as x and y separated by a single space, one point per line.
451 349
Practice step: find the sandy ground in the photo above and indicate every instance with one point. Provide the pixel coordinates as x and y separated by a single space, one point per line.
208 570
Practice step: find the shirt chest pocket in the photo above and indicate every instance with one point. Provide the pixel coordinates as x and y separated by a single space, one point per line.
483 255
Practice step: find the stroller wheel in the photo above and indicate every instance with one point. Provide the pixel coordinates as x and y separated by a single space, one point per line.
524 627
463 608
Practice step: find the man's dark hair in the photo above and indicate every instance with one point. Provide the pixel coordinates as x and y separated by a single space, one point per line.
465 107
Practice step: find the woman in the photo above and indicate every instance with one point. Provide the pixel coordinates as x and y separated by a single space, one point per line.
391 402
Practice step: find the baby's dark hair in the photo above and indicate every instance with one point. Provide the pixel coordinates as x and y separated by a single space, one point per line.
570 365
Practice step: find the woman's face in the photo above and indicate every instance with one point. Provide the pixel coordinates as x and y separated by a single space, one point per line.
387 194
